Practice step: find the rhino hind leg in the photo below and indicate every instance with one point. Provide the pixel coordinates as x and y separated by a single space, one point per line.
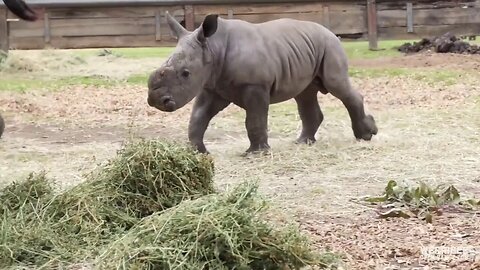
334 76
363 125
337 83
310 114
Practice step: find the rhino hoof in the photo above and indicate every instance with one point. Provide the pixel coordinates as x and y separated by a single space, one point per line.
365 129
200 148
258 149
305 140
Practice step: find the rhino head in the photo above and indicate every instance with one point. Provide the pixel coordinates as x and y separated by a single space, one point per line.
187 69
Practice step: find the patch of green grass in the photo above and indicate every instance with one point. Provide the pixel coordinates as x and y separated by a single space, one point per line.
132 53
84 80
378 72
473 42
387 48
15 84
144 52
360 50
19 85
354 49
138 79
448 77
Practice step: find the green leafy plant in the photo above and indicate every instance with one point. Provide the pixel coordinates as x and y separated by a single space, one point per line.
422 201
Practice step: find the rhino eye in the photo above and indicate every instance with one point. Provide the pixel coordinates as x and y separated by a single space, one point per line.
185 73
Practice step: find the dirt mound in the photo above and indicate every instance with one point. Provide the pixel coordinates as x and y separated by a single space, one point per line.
446 43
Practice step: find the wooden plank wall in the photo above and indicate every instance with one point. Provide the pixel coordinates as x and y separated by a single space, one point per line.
145 26
92 28
428 20
342 19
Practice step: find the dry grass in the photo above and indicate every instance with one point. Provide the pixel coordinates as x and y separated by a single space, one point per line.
213 232
42 228
63 63
152 207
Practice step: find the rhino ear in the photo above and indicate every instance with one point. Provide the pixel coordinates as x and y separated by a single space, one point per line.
175 26
209 27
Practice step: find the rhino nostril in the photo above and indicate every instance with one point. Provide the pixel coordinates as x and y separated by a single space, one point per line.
165 100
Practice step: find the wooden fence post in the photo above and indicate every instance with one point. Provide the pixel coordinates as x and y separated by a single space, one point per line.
46 28
326 16
189 18
158 25
4 43
409 17
372 24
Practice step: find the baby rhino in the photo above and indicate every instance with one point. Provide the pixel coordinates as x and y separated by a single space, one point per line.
253 66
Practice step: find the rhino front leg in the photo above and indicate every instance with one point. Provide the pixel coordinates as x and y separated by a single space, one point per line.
310 114
206 106
256 101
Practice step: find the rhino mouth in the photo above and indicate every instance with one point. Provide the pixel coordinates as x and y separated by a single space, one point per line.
164 104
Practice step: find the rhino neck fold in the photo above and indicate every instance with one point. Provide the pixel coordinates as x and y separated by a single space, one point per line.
216 47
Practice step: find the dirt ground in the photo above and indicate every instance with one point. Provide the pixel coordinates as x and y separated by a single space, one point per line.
427 132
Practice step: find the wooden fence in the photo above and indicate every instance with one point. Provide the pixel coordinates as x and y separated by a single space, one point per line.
128 23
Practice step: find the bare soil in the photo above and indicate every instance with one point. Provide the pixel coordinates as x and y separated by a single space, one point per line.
427 133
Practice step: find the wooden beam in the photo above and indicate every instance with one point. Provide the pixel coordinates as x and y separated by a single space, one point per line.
135 3
230 13
372 24
326 16
189 18
93 42
46 29
429 16
158 23
4 45
427 31
409 17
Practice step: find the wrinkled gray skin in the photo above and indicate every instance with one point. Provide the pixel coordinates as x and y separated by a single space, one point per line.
253 66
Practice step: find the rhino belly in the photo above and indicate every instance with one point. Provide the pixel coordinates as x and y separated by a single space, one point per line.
286 90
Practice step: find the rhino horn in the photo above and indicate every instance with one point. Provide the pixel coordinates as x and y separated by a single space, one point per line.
175 26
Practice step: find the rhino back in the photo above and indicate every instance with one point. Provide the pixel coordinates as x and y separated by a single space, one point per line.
283 55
